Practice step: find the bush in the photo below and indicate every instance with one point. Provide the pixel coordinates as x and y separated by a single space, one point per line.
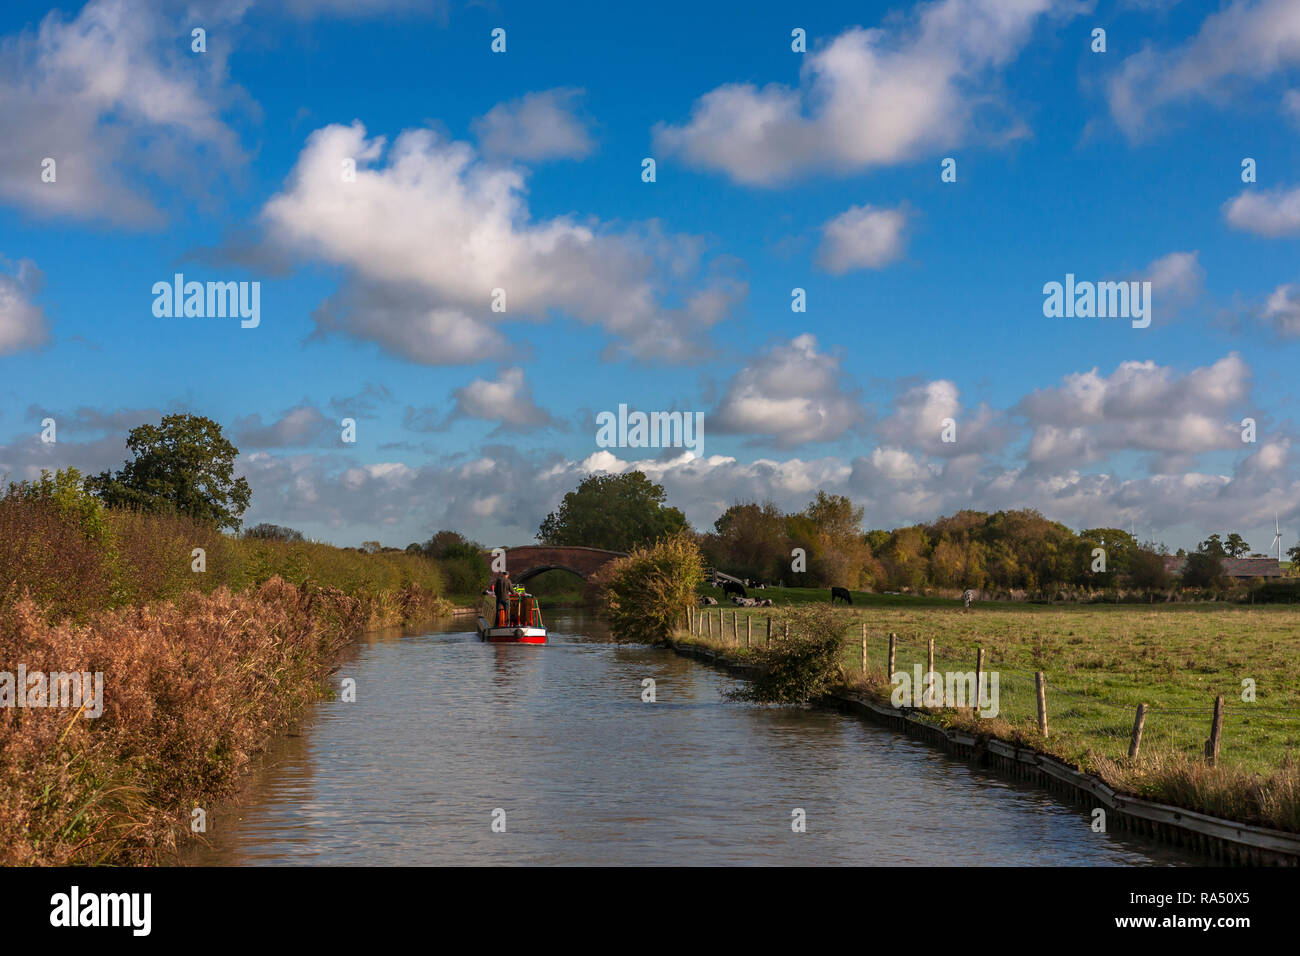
156 557
45 555
1279 592
802 666
647 593
465 575
461 561
65 491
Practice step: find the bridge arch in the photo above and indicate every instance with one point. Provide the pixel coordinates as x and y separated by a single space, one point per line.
537 569
531 560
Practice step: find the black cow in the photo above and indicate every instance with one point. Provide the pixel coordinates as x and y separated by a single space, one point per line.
841 593
733 587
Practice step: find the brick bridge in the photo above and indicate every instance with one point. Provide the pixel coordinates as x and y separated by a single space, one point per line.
529 560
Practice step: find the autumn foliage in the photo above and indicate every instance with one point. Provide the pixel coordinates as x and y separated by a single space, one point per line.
200 667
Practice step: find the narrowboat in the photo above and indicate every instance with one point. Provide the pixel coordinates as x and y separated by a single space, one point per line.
521 624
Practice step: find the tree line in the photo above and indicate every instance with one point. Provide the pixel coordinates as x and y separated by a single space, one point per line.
824 544
185 465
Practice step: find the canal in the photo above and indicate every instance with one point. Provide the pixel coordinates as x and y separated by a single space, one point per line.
445 731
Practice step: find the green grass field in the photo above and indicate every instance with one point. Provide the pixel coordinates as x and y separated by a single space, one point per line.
1100 662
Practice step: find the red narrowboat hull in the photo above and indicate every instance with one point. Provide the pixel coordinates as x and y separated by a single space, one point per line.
511 635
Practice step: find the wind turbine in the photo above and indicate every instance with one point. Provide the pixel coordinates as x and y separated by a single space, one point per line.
1277 537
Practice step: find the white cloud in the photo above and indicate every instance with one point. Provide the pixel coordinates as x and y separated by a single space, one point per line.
502 495
1271 213
300 426
792 394
1244 43
917 422
404 322
22 321
508 399
113 97
429 235
1177 278
535 127
862 237
870 97
499 494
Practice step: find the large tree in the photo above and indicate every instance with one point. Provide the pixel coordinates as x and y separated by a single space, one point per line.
838 550
1147 571
616 512
1204 569
461 560
182 465
1213 546
750 540
1236 546
447 544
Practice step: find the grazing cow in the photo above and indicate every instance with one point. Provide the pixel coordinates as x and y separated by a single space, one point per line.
966 597
734 587
766 602
841 593
707 601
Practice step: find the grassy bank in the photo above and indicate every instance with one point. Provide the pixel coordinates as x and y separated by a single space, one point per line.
1100 662
204 657
73 564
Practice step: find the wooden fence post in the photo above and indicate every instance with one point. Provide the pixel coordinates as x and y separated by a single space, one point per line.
892 644
769 630
864 648
933 700
785 630
1216 732
1136 743
1041 681
708 625
749 628
735 627
979 670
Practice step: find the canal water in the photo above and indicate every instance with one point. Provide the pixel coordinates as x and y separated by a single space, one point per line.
448 735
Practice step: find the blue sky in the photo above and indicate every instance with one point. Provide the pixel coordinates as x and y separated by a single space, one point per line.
775 170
